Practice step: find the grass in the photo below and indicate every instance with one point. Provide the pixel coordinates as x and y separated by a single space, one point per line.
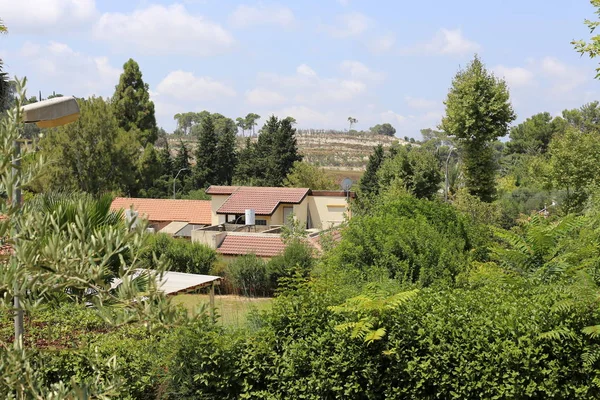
232 310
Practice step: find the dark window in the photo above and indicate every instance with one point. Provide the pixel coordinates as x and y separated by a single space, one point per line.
261 222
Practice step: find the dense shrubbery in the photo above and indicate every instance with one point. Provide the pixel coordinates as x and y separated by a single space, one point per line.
182 255
416 241
251 276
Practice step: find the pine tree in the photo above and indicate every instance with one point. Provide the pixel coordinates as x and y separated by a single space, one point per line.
246 169
205 172
149 168
284 151
368 186
166 160
226 153
133 108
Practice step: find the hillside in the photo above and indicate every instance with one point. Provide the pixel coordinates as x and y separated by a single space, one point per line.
333 151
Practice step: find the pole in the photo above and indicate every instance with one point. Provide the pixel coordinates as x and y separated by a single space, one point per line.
447 161
17 200
175 180
212 301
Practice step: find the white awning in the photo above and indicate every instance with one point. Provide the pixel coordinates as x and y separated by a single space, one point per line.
179 282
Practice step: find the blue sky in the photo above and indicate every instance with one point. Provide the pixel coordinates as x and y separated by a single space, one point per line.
318 61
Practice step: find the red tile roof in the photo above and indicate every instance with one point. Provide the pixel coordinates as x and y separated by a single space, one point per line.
262 246
192 211
221 190
263 200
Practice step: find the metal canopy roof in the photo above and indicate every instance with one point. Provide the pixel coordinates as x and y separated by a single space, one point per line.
180 282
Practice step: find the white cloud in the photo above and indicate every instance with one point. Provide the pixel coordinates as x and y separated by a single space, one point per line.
70 72
349 25
164 30
305 70
306 87
515 76
445 42
563 78
245 16
45 16
358 70
392 117
382 44
264 97
310 118
553 67
419 103
182 85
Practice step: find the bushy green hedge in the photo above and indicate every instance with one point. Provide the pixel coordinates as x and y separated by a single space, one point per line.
487 341
183 255
416 241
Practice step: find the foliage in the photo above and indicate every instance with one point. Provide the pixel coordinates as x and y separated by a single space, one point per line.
538 247
478 111
414 241
591 48
298 259
584 119
249 274
91 154
268 161
383 129
133 108
534 134
369 182
574 166
180 255
57 253
305 175
415 169
206 154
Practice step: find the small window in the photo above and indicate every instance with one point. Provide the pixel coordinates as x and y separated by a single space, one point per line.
261 222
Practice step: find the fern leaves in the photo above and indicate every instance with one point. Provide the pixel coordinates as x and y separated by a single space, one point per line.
365 312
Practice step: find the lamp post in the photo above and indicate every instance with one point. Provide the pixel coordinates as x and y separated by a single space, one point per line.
45 114
447 161
175 180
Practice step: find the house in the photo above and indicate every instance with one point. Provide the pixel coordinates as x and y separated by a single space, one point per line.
174 217
270 207
315 209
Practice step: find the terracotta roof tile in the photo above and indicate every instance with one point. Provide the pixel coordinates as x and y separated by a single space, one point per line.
263 200
192 211
220 190
262 246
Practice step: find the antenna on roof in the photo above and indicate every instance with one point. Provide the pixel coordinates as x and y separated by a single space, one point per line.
346 185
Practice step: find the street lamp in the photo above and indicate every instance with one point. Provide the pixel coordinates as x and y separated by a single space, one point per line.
175 180
45 114
447 161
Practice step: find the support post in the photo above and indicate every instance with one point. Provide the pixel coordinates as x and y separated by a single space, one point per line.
212 300
17 201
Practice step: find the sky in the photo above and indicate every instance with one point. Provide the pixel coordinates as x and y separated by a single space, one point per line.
319 61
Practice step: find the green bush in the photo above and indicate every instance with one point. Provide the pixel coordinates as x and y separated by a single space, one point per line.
249 275
297 259
416 241
182 255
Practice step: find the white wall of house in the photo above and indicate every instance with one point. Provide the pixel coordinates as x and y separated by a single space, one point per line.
216 202
326 211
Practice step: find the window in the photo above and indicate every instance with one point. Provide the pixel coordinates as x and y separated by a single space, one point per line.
261 222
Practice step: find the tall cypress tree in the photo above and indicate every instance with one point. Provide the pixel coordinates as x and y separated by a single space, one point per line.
205 172
227 157
284 151
133 108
